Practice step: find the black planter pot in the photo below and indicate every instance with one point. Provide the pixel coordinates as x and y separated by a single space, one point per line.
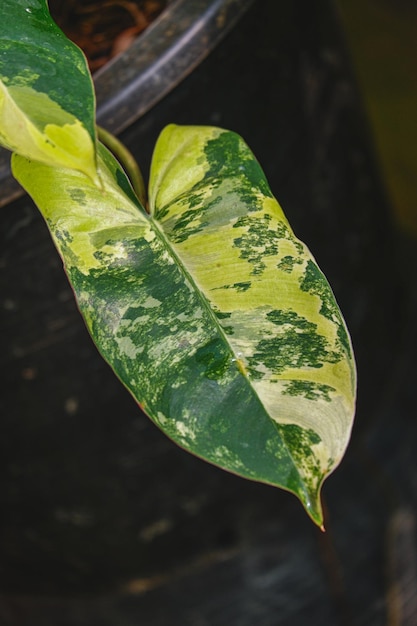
104 520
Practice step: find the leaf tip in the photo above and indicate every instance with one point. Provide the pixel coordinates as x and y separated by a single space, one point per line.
313 507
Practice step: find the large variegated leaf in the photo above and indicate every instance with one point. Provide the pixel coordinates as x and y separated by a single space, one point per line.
210 310
47 100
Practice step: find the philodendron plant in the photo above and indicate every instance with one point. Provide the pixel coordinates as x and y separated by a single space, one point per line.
208 308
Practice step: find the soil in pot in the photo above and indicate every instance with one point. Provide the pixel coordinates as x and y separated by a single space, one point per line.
104 28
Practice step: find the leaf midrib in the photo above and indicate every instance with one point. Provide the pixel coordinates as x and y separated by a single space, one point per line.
170 247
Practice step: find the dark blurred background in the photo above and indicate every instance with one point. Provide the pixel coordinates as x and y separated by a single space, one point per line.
381 37
103 520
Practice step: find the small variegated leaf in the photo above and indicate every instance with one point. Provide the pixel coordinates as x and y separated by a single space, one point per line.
210 310
47 102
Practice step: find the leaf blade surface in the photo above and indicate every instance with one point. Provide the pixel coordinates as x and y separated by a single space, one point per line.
179 303
47 102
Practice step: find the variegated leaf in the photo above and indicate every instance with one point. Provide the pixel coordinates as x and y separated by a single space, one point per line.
47 102
212 313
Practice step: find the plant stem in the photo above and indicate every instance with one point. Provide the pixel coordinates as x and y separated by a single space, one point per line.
128 162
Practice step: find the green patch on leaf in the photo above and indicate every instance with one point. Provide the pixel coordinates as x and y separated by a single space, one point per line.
298 345
313 283
242 286
308 389
215 359
229 157
288 263
258 242
302 441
